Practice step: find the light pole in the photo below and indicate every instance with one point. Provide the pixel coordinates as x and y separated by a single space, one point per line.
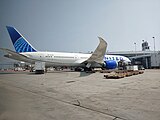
154 43
135 47
143 49
154 50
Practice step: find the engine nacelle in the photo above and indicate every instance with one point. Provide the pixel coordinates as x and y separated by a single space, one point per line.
110 64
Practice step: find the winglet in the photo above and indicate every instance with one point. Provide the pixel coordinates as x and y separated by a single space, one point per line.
99 53
19 42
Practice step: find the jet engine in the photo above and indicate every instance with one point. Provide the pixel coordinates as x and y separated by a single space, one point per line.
110 64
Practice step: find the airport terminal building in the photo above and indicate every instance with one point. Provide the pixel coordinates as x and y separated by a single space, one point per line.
146 57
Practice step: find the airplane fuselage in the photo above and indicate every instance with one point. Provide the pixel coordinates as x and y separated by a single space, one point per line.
67 59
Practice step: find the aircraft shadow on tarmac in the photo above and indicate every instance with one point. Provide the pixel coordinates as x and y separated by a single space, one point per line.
84 74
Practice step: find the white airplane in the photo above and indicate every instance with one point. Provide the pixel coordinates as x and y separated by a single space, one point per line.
27 53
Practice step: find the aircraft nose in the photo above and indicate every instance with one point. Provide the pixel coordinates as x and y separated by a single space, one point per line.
128 60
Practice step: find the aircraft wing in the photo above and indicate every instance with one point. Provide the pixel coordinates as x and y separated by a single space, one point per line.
98 55
16 56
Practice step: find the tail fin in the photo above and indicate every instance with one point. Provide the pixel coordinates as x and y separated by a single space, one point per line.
19 42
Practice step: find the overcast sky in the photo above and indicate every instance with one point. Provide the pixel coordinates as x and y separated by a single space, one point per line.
73 25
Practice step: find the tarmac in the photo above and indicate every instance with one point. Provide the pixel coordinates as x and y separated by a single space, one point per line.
64 95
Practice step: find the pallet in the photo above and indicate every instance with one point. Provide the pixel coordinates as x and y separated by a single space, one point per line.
122 74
